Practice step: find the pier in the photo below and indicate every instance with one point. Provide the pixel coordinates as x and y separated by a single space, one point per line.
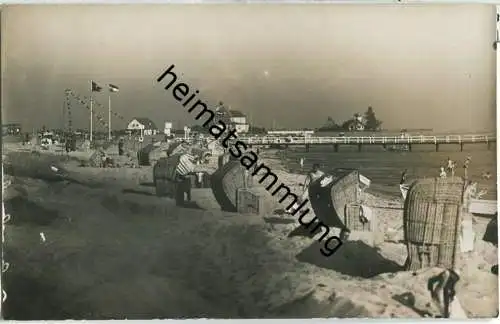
385 141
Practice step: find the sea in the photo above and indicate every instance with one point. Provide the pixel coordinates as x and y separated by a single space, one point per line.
384 168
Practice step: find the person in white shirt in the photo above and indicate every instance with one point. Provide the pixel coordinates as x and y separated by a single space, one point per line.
442 173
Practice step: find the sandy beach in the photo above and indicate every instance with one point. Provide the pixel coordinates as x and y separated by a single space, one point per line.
107 247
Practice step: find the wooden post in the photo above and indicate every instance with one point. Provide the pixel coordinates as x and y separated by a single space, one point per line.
359 147
307 147
437 147
336 147
461 147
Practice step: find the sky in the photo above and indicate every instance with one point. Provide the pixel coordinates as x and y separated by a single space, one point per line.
293 66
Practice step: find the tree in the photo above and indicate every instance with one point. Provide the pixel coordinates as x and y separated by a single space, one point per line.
199 129
331 123
372 123
347 125
329 126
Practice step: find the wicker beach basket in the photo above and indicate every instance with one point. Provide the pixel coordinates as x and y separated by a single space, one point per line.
177 148
225 181
432 218
143 157
223 159
166 170
158 152
355 220
96 159
330 202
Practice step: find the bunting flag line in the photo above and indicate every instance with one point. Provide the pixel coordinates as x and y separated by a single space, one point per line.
95 87
68 110
113 88
84 101
98 117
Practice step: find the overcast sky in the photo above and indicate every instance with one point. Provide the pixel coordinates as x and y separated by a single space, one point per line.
427 66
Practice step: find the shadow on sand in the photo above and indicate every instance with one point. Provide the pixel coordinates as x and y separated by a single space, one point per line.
408 299
25 212
353 258
278 220
30 298
147 184
138 192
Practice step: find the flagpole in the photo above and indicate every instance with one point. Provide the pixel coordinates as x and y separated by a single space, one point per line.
109 116
91 111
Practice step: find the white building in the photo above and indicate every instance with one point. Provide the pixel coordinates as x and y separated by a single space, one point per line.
144 126
358 123
239 121
168 129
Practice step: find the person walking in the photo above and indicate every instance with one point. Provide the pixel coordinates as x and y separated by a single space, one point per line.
301 163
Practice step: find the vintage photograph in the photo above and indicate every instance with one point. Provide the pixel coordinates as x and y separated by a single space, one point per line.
177 161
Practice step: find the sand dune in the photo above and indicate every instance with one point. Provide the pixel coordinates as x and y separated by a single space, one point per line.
117 251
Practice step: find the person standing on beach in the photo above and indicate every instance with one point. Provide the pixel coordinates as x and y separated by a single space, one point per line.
311 177
403 177
442 173
121 143
403 187
466 166
450 167
301 163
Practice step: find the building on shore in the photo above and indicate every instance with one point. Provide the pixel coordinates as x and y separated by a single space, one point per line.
167 130
143 126
238 121
357 123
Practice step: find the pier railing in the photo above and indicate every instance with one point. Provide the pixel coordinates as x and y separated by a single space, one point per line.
382 140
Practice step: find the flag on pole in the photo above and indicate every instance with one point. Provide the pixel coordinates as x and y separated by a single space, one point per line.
96 87
113 88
